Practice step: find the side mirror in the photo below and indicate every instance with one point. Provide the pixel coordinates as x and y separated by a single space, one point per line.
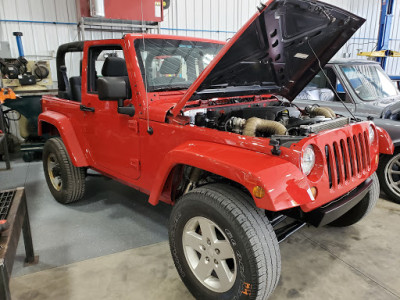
112 88
125 110
115 89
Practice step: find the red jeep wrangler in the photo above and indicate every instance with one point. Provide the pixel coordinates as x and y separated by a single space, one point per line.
197 124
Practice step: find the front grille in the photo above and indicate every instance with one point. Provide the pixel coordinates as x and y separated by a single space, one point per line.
6 199
347 158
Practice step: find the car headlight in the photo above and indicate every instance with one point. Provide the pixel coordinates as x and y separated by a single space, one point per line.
371 132
308 160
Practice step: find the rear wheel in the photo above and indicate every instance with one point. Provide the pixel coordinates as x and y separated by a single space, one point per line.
223 246
65 181
363 208
389 175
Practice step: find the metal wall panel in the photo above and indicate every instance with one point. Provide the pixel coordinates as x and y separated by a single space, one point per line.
393 63
212 19
215 19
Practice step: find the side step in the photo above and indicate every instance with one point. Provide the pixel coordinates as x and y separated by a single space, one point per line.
284 232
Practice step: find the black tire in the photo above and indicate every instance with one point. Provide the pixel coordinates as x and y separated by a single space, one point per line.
246 229
386 164
362 209
28 156
72 187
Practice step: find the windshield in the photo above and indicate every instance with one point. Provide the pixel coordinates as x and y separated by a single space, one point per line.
370 82
173 64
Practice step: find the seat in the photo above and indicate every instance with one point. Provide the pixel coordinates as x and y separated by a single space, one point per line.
76 88
66 94
169 71
116 67
75 84
170 66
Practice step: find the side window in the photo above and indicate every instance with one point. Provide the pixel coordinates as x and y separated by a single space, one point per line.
105 61
320 81
320 87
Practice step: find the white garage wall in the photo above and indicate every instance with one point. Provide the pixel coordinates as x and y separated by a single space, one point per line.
215 19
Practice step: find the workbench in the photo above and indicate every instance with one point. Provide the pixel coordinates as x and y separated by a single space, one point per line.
13 208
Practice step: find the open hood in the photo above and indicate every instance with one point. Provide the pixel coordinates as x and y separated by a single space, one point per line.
276 51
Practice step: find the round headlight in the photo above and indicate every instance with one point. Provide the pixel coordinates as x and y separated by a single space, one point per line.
308 160
371 132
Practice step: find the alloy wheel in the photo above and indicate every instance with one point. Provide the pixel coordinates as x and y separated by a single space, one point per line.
392 174
209 254
54 171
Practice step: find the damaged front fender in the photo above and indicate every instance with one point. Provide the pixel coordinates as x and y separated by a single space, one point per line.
284 184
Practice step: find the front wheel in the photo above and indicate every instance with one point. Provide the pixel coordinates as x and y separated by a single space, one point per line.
223 246
389 175
363 208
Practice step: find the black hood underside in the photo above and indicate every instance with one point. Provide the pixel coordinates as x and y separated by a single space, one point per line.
281 50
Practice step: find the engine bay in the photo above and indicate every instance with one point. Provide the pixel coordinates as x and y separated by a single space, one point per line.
265 118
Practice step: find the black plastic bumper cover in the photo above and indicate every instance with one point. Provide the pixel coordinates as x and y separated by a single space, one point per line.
337 208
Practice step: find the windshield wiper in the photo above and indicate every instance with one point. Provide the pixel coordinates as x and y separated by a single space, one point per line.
170 88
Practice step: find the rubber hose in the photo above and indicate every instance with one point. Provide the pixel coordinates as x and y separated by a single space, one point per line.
256 124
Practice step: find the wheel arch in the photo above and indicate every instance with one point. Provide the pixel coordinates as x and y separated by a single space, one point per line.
49 122
172 188
255 169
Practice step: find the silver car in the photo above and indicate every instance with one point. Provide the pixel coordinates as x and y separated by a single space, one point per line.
367 92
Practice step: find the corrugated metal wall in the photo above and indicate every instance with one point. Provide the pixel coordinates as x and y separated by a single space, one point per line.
40 40
393 64
207 18
215 19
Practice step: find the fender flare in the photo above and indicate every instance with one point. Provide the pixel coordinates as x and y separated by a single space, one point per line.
67 133
385 142
284 184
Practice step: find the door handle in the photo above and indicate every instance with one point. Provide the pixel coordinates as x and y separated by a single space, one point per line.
86 108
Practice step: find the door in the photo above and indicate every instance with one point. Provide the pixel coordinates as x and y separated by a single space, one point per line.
326 90
113 139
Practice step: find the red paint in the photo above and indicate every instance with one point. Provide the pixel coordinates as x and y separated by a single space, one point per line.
385 142
125 9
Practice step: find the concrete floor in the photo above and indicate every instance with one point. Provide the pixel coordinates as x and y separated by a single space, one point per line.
113 245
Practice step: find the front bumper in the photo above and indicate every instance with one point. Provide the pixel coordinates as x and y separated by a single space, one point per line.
337 208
